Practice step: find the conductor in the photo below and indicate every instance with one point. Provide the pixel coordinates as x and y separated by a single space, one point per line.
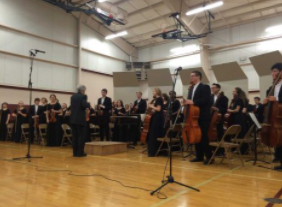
78 121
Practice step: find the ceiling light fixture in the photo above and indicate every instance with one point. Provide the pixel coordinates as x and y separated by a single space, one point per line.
207 7
186 49
274 29
116 35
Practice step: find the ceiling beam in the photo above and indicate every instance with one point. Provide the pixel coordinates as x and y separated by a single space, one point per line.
248 13
147 21
146 8
104 31
195 26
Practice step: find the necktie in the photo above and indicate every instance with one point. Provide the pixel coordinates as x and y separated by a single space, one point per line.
190 93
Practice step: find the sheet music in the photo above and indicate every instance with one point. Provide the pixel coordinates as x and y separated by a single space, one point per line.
255 120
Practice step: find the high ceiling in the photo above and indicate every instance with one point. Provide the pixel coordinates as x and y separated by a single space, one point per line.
148 17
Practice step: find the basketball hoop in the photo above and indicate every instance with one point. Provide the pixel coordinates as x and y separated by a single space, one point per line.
163 27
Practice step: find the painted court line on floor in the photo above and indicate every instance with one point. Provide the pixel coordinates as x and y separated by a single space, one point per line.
196 186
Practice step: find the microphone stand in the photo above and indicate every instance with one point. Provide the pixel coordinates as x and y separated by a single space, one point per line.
32 56
170 178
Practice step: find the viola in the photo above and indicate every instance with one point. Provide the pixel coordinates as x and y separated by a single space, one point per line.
271 133
191 132
146 123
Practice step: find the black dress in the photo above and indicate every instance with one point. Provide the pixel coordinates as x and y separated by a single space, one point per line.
238 118
42 114
3 126
17 132
119 131
54 132
156 128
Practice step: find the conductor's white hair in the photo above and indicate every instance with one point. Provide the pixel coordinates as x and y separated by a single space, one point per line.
81 88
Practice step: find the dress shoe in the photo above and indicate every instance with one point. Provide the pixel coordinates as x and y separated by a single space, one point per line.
84 155
197 160
206 162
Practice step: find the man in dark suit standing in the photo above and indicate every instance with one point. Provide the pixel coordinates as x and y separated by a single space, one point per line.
104 111
33 114
199 95
140 105
78 121
276 97
258 109
219 102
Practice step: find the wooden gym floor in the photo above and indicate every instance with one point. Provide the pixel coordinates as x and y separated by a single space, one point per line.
21 185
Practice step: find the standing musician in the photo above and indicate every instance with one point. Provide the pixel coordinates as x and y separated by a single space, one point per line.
238 108
258 109
219 102
199 95
104 110
4 121
33 114
54 132
156 128
275 71
20 114
175 106
90 115
140 105
43 112
78 121
119 111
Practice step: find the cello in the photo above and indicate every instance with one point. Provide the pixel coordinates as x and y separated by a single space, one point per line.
215 119
191 131
271 132
146 123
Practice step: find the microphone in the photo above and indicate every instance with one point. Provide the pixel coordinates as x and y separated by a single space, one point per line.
179 69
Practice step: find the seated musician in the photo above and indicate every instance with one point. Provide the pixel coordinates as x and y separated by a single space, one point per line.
140 105
199 95
175 107
64 115
166 101
258 109
90 114
33 115
156 128
275 71
104 111
119 111
219 102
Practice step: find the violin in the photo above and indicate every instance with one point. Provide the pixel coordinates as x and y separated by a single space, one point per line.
271 132
215 119
146 123
53 116
87 115
191 131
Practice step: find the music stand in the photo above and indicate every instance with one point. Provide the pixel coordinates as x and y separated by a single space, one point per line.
257 128
170 178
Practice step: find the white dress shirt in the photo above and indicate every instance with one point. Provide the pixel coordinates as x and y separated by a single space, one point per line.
36 109
102 100
215 98
194 89
277 90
